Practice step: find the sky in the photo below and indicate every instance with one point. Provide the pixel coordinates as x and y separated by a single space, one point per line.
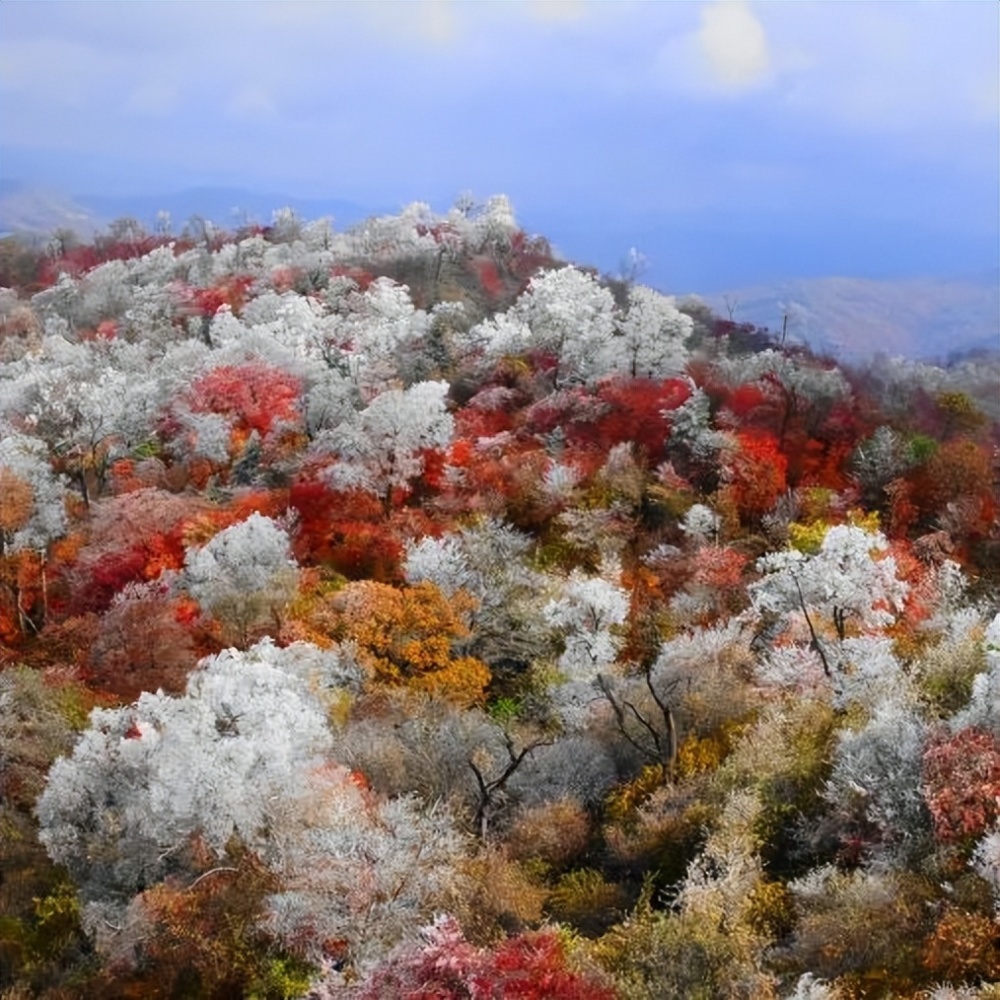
729 142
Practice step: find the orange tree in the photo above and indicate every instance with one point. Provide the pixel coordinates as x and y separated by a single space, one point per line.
406 637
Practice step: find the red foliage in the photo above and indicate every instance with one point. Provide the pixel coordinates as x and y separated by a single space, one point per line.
960 471
962 784
531 966
358 275
255 395
344 530
488 275
755 474
634 411
718 567
231 292
474 422
108 575
745 399
76 261
144 644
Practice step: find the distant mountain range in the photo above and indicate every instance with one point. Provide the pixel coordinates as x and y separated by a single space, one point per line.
851 318
29 210
856 318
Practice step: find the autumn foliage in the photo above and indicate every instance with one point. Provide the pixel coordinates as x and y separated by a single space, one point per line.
409 571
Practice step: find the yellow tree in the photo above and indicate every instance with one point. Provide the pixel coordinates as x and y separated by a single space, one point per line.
406 637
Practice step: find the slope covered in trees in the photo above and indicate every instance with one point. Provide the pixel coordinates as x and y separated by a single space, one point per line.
405 612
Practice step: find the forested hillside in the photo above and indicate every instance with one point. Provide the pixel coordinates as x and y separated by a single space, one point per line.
403 612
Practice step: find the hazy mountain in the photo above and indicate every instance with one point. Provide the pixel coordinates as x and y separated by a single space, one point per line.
855 318
227 207
37 211
27 209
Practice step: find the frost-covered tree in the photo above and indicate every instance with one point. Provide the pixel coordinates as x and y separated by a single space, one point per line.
850 582
359 869
73 397
876 784
382 449
649 341
701 523
244 575
586 614
33 502
369 330
571 317
219 762
490 561
243 756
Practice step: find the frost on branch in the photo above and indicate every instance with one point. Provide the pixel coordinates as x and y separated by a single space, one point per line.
586 614
218 761
40 515
381 450
650 340
245 575
245 754
849 583
359 869
877 781
571 317
983 710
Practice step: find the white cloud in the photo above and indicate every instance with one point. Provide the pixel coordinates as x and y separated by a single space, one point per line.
734 46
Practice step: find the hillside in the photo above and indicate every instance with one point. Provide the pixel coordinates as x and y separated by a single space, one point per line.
855 319
399 611
852 318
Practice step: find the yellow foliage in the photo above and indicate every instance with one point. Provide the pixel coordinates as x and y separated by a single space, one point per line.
866 520
703 754
770 910
586 899
624 800
405 637
807 538
502 897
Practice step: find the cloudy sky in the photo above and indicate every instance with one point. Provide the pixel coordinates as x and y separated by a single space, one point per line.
730 142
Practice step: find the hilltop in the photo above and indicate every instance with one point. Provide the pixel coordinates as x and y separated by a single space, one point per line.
399 609
853 318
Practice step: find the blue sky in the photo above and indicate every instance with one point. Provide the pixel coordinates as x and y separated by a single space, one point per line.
730 142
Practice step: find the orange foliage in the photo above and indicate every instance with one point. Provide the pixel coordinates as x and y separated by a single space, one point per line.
203 939
959 468
964 946
406 637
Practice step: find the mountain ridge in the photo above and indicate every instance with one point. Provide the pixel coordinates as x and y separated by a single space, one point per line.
850 317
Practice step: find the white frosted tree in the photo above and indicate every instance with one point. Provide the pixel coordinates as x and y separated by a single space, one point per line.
359 868
367 332
244 754
219 762
650 339
586 615
33 506
570 316
877 777
244 575
490 561
850 582
382 448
